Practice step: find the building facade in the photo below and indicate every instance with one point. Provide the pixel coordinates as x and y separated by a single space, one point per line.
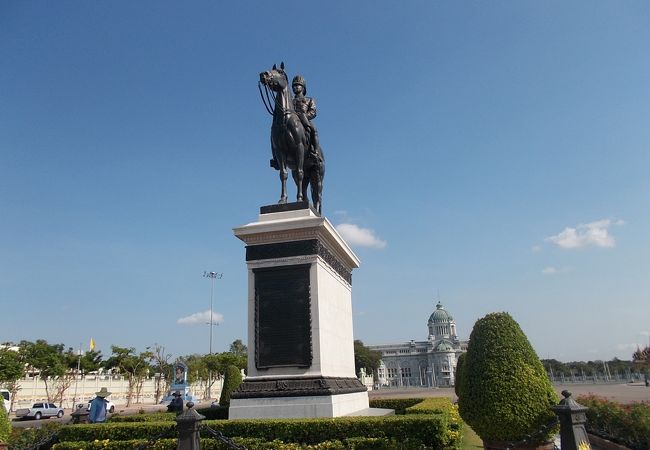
429 363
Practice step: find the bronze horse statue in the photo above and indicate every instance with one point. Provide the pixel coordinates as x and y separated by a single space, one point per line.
290 142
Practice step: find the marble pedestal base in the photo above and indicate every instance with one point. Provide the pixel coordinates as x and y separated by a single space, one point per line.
297 407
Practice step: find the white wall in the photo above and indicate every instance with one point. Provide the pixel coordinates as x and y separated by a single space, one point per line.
33 390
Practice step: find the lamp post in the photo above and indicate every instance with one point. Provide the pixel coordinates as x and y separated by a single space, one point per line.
76 379
213 276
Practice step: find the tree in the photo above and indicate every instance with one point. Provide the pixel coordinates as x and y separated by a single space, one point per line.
232 380
5 425
238 348
504 393
91 361
642 357
365 358
163 370
136 368
12 368
46 359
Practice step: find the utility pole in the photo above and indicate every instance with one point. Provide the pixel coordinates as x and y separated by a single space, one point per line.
213 276
76 379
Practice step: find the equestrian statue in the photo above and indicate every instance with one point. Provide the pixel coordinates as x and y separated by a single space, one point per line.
294 138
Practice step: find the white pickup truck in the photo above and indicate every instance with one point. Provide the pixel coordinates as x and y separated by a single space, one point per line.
40 410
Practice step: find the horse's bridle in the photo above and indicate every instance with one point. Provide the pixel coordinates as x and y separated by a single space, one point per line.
268 104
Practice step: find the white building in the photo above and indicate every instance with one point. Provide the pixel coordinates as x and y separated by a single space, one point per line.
423 363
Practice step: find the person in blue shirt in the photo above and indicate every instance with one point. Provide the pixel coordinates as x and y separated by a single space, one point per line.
98 407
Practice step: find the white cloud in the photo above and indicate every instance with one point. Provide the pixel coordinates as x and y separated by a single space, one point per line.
594 234
556 270
201 318
536 248
363 237
645 333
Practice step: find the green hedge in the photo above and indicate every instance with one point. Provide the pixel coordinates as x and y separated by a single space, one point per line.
437 431
398 404
149 417
115 431
628 425
28 437
218 413
249 443
433 405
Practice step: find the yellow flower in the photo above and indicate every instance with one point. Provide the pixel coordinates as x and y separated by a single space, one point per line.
584 446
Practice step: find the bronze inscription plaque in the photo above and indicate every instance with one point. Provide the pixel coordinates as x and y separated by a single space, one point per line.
282 317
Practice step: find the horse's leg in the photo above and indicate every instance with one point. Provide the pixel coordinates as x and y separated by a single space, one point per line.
283 179
305 184
316 182
299 172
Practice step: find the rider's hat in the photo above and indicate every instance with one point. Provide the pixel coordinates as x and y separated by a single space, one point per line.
299 79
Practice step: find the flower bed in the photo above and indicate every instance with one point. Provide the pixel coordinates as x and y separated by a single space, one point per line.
627 425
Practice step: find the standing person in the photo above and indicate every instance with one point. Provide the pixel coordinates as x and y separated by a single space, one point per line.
98 407
176 404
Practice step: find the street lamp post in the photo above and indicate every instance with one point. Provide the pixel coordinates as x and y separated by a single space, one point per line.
213 276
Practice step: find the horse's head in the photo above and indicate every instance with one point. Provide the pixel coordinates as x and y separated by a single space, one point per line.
276 79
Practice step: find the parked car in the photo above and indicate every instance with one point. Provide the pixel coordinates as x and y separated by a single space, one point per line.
39 411
6 396
110 406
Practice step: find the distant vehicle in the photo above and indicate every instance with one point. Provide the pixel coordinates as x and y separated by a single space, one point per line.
110 406
39 411
6 395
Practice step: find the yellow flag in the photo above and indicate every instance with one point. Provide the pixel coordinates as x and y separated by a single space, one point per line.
92 344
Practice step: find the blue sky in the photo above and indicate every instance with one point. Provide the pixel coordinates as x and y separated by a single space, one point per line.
493 155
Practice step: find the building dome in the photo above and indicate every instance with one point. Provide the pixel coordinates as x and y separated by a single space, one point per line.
440 315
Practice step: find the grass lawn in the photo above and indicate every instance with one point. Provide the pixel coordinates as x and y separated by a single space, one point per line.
470 439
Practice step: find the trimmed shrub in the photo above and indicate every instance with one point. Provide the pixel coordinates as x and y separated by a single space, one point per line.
232 380
249 443
398 404
460 362
149 417
218 413
116 431
29 437
432 405
628 425
411 431
5 425
504 393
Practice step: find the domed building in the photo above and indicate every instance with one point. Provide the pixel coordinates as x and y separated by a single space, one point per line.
423 363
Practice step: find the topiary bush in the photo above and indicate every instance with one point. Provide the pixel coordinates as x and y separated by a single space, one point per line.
232 380
504 394
5 425
460 363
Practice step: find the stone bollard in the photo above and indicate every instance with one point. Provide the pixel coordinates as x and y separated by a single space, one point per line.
188 424
573 435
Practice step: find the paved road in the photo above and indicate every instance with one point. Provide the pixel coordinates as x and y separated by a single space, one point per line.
29 423
622 393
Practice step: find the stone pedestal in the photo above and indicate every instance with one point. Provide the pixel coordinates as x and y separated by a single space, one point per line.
300 352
